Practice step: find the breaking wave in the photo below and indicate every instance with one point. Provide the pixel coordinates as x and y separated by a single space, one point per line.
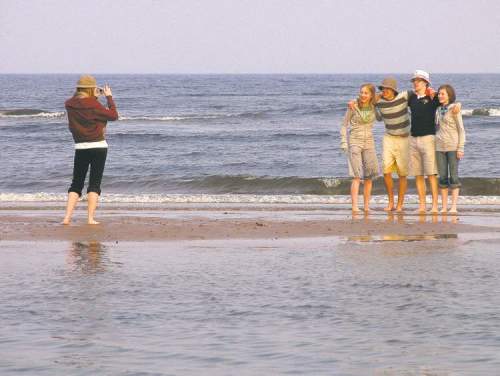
481 112
226 199
30 113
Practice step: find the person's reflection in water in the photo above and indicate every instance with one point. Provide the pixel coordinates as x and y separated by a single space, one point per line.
87 257
451 218
395 217
361 215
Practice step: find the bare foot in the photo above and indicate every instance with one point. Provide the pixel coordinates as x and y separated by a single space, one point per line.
444 211
434 210
453 211
92 222
399 209
421 210
389 208
367 210
66 221
355 210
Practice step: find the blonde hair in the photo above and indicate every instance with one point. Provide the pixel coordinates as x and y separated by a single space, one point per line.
371 89
85 91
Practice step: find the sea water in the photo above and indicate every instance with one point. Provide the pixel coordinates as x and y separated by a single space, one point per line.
210 138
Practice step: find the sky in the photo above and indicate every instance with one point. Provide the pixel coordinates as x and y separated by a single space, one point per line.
249 36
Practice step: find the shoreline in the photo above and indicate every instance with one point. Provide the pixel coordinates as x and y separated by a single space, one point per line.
219 222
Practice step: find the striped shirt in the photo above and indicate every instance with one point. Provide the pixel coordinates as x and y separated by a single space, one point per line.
395 114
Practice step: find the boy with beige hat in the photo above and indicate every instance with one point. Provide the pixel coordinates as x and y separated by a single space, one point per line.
393 107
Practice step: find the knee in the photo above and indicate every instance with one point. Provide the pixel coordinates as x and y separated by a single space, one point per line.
77 187
94 190
454 182
78 191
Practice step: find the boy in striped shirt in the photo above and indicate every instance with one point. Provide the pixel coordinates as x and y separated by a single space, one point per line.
393 106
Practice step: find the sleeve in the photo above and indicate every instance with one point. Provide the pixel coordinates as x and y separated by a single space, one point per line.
435 102
407 94
461 132
345 125
106 114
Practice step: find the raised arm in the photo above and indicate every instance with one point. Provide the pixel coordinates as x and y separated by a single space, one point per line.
110 113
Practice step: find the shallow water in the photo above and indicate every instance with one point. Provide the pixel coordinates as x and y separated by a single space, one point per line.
330 306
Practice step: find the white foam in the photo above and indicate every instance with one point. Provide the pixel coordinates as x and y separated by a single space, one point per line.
491 112
39 115
153 118
230 199
173 118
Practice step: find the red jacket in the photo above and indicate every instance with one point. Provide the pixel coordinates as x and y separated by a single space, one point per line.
88 118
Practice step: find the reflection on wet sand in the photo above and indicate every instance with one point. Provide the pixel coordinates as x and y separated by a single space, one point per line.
399 217
361 215
400 237
87 257
436 218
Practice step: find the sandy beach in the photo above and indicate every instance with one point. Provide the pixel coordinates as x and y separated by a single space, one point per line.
192 222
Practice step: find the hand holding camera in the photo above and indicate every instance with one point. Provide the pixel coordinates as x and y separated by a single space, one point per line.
106 91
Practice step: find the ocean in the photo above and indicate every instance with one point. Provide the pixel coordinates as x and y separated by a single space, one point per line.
221 138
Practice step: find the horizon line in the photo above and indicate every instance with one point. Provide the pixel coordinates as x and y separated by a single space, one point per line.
233 73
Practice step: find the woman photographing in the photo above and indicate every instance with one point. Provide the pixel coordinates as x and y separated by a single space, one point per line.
87 119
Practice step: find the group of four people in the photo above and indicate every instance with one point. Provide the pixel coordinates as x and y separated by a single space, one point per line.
424 137
87 119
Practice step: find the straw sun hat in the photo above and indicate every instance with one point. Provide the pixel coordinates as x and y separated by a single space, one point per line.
86 81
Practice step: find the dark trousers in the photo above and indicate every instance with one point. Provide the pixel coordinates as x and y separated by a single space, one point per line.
96 159
447 164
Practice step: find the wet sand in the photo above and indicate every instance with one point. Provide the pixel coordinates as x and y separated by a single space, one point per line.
233 222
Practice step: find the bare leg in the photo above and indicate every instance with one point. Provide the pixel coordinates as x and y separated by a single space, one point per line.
389 186
434 190
367 193
444 200
421 190
70 207
403 185
92 198
354 194
454 199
